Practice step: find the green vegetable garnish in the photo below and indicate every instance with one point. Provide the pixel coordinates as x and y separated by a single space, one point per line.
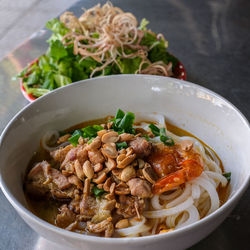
167 140
123 123
97 191
119 114
155 130
227 175
126 123
66 61
91 131
75 136
121 145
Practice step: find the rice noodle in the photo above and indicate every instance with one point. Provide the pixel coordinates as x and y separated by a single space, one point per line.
155 202
181 198
196 192
193 216
171 220
155 226
213 195
136 228
171 196
217 177
170 211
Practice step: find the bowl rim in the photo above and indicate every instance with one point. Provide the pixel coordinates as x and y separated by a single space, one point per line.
35 219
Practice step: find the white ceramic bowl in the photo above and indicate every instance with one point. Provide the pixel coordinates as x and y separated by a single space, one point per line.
198 110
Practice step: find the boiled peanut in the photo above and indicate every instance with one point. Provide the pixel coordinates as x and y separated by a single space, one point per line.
101 178
107 184
110 164
98 167
101 132
88 169
95 144
126 137
128 173
126 161
149 173
109 137
141 163
109 150
79 170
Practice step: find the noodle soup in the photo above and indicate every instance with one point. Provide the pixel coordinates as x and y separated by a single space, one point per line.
115 177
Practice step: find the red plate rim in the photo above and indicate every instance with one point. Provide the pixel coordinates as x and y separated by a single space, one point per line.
179 72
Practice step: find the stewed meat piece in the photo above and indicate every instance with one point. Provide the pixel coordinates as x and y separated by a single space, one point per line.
42 180
141 147
65 217
140 188
104 226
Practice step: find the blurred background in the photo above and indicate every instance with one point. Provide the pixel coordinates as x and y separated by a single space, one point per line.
19 19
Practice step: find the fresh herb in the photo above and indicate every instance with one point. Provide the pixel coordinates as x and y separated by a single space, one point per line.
123 122
167 140
59 66
129 65
126 123
57 50
155 130
58 29
75 136
121 145
97 191
91 131
119 114
227 175
34 78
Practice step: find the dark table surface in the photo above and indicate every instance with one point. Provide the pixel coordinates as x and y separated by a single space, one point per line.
212 40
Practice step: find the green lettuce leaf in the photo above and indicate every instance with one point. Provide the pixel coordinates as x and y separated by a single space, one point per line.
57 50
62 80
58 29
128 65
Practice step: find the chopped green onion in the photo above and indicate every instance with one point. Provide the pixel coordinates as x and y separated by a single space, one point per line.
119 114
126 124
167 140
121 145
89 132
227 175
97 191
98 127
75 136
154 129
